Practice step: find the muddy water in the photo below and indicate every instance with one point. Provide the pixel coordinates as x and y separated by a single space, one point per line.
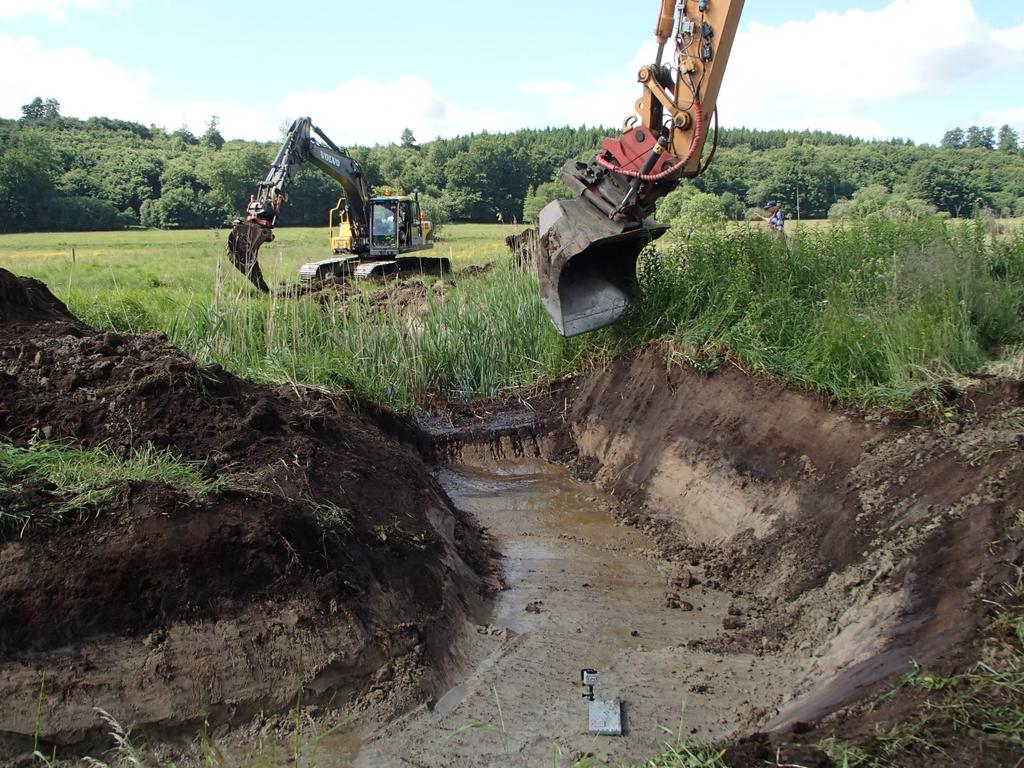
582 592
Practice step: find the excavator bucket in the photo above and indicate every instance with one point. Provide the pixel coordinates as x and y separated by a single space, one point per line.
586 264
243 248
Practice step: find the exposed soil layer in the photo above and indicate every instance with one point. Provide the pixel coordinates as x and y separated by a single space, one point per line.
335 555
851 540
866 542
810 550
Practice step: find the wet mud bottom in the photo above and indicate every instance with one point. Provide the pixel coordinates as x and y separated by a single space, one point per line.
581 592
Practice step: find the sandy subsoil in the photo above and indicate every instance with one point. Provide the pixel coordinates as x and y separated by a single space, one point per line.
166 608
581 591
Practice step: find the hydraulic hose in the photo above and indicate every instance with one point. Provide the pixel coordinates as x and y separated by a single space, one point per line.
698 127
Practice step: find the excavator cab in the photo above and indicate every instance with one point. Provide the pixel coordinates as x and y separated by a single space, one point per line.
383 228
397 226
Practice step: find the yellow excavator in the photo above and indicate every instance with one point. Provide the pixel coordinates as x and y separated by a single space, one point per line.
369 235
587 248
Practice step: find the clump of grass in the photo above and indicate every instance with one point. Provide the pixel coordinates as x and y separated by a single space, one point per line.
331 517
394 533
83 479
475 339
871 313
124 752
687 756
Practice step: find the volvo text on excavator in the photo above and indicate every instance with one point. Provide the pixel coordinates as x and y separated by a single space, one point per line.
587 248
369 235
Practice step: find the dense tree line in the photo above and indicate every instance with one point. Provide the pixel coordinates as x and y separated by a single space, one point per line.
59 173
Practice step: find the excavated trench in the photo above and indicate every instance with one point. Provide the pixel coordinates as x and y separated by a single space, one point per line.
731 555
581 591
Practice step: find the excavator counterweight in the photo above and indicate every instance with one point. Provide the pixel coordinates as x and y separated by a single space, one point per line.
587 248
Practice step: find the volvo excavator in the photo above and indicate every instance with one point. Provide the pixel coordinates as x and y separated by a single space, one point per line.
369 235
587 248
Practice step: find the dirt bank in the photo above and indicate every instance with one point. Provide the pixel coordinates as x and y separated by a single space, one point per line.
332 564
861 542
867 543
852 544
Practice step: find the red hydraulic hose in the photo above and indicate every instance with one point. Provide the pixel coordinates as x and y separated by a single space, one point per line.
698 127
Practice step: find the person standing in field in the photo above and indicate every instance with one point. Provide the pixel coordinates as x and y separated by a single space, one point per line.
776 219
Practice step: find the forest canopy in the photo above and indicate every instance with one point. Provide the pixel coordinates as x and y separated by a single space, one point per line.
59 173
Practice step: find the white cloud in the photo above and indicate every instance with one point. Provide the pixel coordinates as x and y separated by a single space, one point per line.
365 111
55 10
86 85
1014 117
548 88
360 111
83 84
833 72
600 99
838 68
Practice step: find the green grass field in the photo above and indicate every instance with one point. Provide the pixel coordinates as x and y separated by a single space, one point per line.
478 337
188 260
876 313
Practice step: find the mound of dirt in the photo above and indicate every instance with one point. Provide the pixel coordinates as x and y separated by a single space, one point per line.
407 296
27 300
333 556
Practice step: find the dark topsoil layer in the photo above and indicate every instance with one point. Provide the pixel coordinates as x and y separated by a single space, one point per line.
153 570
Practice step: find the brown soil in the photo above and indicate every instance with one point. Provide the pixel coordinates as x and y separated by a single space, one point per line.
164 607
791 558
408 296
850 542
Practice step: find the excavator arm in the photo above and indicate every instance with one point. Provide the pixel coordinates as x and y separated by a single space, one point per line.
588 247
265 206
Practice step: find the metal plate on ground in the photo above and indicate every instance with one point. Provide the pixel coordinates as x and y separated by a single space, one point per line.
605 717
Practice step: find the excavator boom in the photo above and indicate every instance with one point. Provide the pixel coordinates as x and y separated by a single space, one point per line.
587 248
299 147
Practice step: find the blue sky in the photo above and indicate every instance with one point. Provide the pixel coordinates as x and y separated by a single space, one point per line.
876 68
